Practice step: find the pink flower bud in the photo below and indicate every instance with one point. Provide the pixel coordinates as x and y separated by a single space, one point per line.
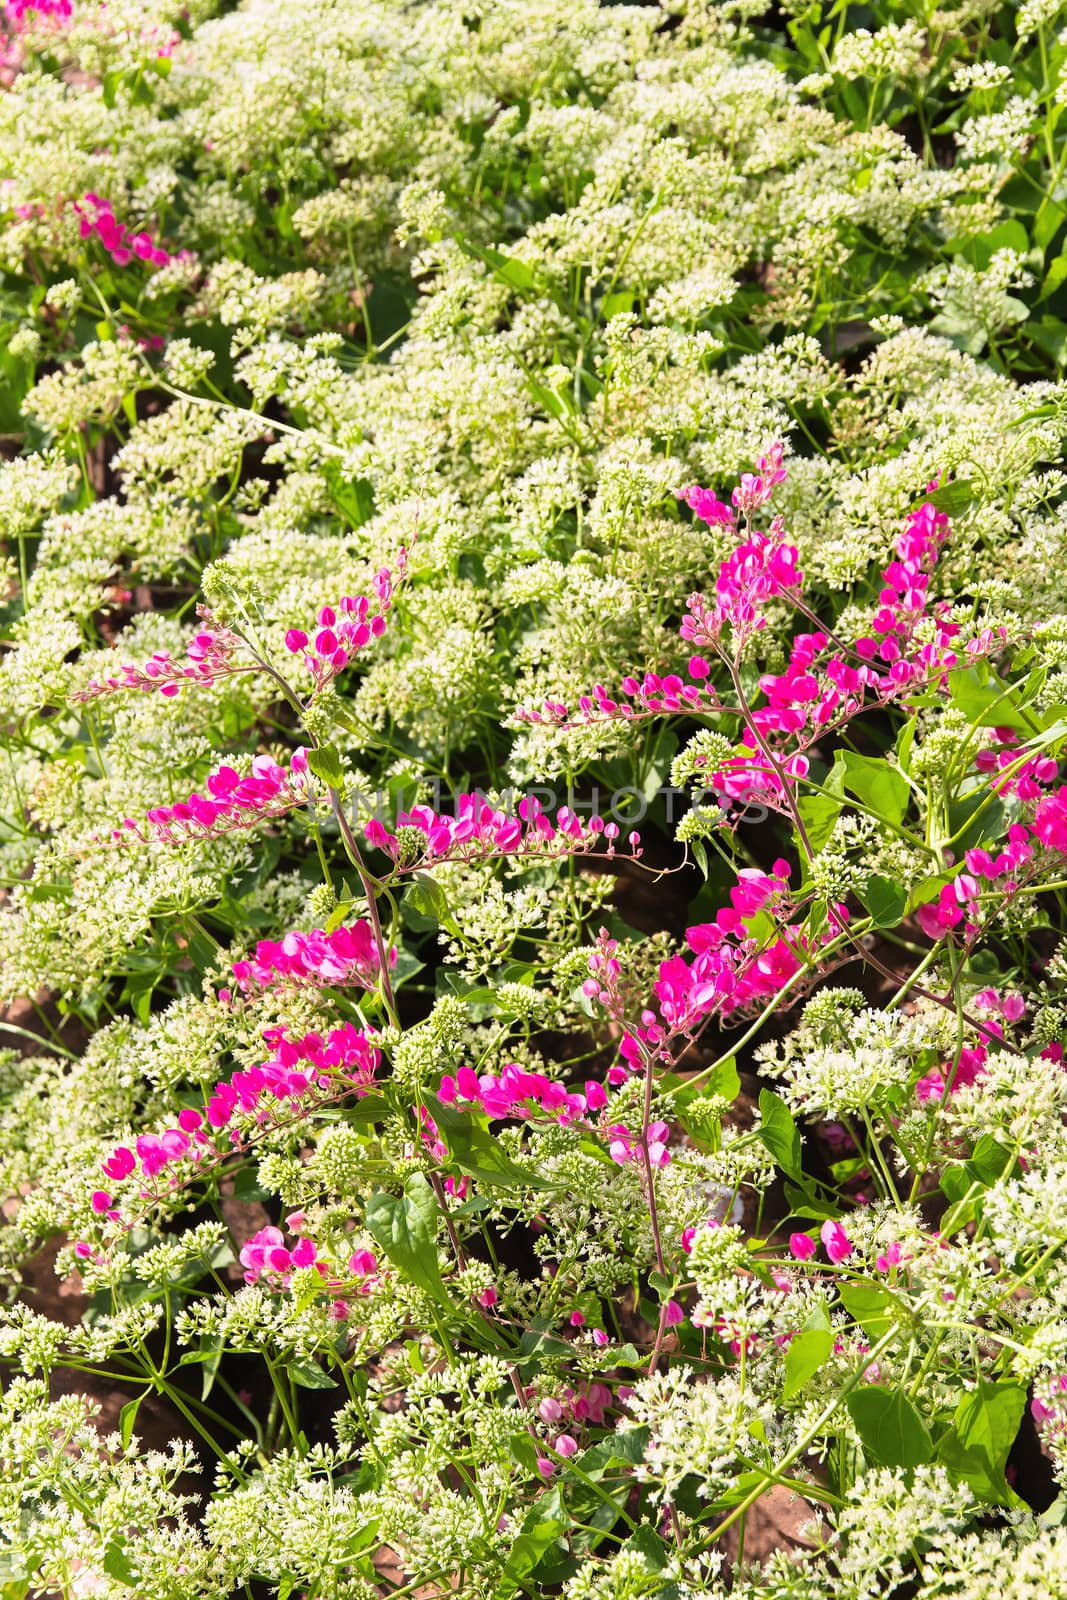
566 1445
801 1247
296 640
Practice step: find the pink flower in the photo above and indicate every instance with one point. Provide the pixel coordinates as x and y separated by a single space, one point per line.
549 1409
706 507
801 1247
673 1314
836 1241
362 1263
120 1164
566 1445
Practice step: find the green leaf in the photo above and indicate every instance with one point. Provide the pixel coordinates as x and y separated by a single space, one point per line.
699 854
988 1420
540 1530
955 497
986 700
725 1081
807 1351
477 1153
426 898
405 1228
989 1161
516 274
873 781
612 304
870 1305
892 1432
819 813
1055 277
325 763
352 497
778 1134
886 900
128 1418
309 1375
976 1448
116 1565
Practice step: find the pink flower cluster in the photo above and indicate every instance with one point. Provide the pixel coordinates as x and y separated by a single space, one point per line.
626 1147
934 1085
269 1261
515 1093
1049 1407
758 570
56 10
756 489
346 1061
730 969
650 695
210 653
818 689
1002 870
479 830
904 597
340 637
838 1247
588 1404
231 803
345 956
1028 777
266 1257
97 218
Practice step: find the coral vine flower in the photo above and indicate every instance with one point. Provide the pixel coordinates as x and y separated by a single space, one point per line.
836 1242
299 1072
232 802
20 12
344 631
211 656
97 218
478 830
345 956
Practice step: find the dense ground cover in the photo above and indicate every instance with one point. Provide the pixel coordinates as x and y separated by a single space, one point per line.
531 829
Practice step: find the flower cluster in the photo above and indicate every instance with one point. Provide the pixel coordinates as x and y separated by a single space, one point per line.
345 630
478 831
98 220
310 1067
346 955
518 1093
232 802
211 656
